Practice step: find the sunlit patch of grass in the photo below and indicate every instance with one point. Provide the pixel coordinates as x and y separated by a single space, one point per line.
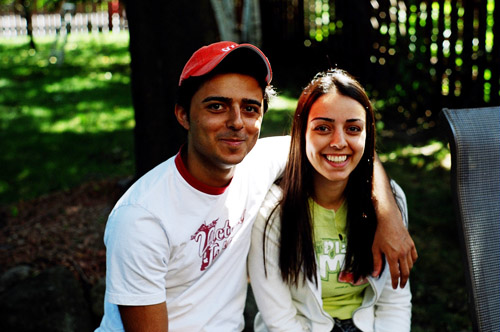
67 119
433 154
97 120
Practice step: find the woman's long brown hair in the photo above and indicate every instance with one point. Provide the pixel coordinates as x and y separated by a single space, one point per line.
297 253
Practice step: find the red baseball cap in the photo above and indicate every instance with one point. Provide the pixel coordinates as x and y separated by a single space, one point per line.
204 60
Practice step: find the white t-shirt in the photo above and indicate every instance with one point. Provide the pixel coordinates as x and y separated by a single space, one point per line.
171 238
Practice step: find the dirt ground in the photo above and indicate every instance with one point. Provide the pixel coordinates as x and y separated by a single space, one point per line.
60 228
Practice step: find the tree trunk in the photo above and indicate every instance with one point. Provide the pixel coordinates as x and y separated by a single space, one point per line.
27 15
163 35
225 16
251 24
357 39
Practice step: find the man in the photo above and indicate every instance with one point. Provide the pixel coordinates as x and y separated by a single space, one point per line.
177 240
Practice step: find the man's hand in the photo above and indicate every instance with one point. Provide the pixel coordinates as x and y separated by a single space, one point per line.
392 237
399 249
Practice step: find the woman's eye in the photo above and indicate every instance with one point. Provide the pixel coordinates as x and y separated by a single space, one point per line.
321 128
354 129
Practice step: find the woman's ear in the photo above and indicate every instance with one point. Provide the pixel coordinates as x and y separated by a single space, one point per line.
182 116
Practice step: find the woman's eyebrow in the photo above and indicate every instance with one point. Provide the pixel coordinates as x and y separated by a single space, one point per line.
323 119
333 120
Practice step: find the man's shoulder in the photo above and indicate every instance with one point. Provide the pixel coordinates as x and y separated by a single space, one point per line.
148 185
283 140
274 147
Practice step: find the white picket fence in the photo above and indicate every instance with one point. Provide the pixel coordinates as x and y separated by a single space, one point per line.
48 24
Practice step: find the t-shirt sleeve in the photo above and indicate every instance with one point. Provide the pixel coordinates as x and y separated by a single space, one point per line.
137 252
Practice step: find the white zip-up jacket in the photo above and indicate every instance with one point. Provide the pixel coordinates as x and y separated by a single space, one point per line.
289 308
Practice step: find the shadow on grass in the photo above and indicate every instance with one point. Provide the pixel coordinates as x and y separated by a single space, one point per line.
37 163
56 140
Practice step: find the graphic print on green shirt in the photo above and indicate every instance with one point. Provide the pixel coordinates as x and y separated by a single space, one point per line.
340 296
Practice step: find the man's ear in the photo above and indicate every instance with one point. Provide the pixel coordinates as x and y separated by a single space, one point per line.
182 116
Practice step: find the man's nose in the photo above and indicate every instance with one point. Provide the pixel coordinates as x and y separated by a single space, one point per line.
235 122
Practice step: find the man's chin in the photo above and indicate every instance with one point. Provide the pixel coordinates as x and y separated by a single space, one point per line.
231 160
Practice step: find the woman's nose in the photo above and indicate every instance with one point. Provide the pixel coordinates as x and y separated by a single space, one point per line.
338 140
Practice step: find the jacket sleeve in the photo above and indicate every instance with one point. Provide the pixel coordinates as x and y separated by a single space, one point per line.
393 308
272 294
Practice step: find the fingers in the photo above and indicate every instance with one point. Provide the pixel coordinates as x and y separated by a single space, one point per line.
411 250
400 268
405 265
394 269
409 261
377 263
400 261
414 254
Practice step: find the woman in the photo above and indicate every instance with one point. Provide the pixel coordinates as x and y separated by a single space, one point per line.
310 260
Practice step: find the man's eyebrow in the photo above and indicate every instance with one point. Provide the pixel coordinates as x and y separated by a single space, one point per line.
228 100
217 98
252 101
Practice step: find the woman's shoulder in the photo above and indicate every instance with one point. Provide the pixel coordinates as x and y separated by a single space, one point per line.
273 197
270 204
400 197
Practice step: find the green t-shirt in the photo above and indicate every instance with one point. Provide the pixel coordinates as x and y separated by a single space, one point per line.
340 296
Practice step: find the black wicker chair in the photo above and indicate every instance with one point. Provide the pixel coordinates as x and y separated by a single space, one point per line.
474 136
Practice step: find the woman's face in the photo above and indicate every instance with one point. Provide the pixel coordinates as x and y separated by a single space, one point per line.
335 137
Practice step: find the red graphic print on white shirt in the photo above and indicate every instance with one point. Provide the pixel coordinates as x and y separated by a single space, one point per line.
212 240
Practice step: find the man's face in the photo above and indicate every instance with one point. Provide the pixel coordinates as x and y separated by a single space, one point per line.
224 122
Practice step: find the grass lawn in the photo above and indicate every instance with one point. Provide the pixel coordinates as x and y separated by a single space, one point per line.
64 121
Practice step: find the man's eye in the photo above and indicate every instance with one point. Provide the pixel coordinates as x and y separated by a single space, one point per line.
252 109
215 107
